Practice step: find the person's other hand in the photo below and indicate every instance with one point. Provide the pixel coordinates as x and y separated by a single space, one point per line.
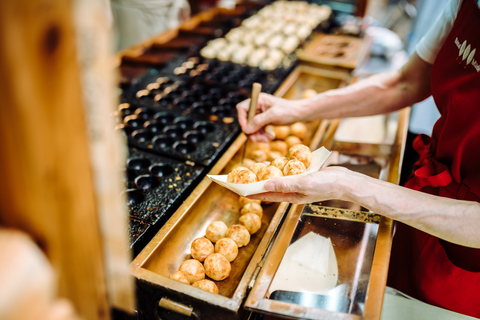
270 110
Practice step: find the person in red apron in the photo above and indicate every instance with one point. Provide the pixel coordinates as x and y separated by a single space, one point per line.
436 250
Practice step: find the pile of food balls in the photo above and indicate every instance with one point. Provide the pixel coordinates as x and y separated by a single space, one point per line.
219 248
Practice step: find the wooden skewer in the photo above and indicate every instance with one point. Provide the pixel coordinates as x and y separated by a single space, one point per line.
252 109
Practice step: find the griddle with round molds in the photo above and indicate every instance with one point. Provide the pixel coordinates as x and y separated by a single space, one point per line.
154 187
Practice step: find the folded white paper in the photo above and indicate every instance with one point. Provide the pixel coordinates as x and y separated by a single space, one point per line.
318 158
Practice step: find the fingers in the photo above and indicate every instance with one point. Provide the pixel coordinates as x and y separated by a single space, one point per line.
261 118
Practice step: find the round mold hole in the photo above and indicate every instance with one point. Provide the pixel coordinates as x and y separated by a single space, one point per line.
146 182
173 131
194 136
142 135
128 174
199 107
160 169
133 122
138 163
184 147
144 113
183 122
154 126
221 112
204 126
164 117
134 196
162 142
126 110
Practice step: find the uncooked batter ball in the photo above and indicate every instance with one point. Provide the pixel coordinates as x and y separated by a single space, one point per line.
292 140
241 175
193 270
251 221
201 248
244 200
239 234
281 132
207 285
294 167
300 152
179 276
217 267
269 172
257 167
228 248
279 163
298 129
279 146
252 208
216 230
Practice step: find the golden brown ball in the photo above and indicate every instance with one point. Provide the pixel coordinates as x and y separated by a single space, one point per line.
216 230
251 221
241 175
244 200
258 155
257 166
217 267
292 140
228 248
272 155
300 152
201 248
308 93
279 146
239 234
264 146
281 132
179 276
269 172
252 207
298 129
193 270
294 167
207 285
279 163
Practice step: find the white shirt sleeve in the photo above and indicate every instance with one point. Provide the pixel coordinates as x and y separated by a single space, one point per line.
428 47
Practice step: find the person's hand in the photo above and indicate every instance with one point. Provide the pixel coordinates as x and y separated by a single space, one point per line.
326 184
270 110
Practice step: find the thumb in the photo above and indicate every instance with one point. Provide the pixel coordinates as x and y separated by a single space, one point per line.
283 185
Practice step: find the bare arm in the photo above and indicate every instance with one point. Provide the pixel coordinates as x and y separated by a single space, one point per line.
453 220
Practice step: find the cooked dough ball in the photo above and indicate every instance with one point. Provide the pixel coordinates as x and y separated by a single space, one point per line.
279 163
201 248
281 132
217 267
227 248
298 129
292 140
257 167
300 152
258 155
294 167
207 285
252 207
193 270
251 221
216 231
272 155
308 93
241 175
280 146
239 234
264 146
269 172
244 200
179 276
247 162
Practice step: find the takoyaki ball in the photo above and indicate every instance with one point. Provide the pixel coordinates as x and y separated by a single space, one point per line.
247 162
272 155
294 167
279 163
227 248
281 132
258 155
269 172
252 207
264 146
207 285
179 276
308 93
255 168
279 146
244 200
216 231
239 234
251 221
298 129
292 140
193 270
300 152
241 175
217 267
201 248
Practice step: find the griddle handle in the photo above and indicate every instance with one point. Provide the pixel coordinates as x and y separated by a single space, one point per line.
177 307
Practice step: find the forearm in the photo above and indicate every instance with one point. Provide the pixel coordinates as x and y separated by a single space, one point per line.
449 219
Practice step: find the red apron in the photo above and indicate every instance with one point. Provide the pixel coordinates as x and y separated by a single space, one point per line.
423 266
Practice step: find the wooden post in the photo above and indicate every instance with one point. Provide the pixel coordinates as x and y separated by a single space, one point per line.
49 188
